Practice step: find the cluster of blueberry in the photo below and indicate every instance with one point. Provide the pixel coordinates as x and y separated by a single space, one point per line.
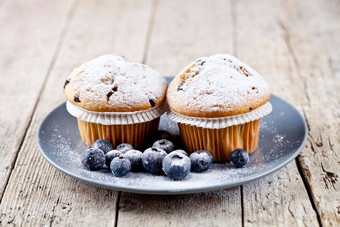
161 157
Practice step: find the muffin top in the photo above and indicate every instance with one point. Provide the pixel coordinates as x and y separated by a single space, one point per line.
217 86
111 83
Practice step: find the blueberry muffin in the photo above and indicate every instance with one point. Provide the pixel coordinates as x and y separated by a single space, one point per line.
116 100
218 103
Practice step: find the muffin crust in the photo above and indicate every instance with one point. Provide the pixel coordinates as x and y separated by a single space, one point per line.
111 83
217 86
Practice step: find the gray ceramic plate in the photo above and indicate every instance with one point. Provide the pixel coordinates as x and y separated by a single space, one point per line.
282 136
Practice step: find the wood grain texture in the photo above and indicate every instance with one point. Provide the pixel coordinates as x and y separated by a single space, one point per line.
313 31
294 44
25 57
278 200
218 208
281 198
38 194
186 30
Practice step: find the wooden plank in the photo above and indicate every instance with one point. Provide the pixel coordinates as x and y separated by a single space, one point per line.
313 29
183 31
278 200
281 198
217 208
29 35
38 194
186 30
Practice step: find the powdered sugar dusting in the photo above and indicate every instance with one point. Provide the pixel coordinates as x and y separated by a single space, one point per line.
112 80
218 83
282 135
67 153
217 174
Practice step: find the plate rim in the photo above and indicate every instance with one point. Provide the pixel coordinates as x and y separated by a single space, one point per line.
174 191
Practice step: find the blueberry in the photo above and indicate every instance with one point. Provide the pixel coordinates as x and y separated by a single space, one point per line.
239 157
180 151
111 155
160 134
152 159
200 161
165 145
76 98
135 158
93 159
120 166
124 147
176 165
103 145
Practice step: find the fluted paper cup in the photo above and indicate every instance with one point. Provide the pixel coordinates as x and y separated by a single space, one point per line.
220 136
117 127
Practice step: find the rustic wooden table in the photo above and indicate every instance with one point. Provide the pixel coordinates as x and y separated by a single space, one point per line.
295 45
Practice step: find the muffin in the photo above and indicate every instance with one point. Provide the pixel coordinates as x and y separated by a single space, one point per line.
218 103
116 100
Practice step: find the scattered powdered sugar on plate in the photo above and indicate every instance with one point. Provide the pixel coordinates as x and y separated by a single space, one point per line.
68 152
279 143
217 174
278 138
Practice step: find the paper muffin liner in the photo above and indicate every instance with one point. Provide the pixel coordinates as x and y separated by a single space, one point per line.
134 134
221 142
116 118
221 122
117 127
